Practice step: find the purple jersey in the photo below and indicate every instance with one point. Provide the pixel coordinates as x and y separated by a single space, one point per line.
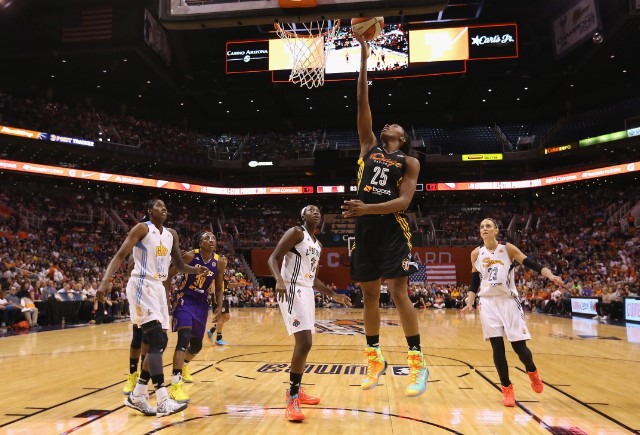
196 287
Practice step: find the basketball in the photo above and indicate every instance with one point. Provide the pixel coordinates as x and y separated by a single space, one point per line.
368 28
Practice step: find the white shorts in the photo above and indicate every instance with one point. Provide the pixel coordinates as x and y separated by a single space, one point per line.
299 314
147 302
503 317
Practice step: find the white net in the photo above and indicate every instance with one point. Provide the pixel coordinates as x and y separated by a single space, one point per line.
308 44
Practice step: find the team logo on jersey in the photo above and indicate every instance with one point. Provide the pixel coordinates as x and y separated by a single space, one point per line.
368 188
405 264
161 251
380 158
488 262
378 191
296 323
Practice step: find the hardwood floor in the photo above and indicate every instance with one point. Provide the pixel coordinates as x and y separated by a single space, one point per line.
70 380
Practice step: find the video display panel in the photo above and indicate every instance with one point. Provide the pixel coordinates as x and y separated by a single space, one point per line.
389 52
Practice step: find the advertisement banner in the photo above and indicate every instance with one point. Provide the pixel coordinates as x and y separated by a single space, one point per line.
574 26
584 306
560 148
478 157
21 132
493 42
632 309
36 168
247 56
335 263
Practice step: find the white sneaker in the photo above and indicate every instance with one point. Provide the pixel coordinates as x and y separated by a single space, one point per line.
605 317
139 403
169 406
595 317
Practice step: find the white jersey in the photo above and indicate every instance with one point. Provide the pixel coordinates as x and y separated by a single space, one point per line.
497 272
301 262
152 255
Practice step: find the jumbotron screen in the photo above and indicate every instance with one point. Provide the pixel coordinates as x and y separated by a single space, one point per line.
397 52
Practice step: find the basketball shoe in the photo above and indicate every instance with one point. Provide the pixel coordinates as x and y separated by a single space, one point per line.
186 375
210 333
508 399
376 366
169 406
536 382
132 379
221 343
177 393
418 374
139 403
293 412
304 398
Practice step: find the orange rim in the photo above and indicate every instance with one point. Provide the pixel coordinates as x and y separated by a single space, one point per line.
291 34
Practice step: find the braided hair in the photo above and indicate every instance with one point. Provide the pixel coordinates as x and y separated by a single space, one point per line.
148 205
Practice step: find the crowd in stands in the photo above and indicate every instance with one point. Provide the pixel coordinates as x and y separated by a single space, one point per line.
63 253
86 122
80 120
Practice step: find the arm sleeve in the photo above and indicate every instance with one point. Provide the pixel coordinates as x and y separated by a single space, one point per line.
530 264
475 282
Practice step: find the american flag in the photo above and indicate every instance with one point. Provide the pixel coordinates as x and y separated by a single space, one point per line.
94 24
434 274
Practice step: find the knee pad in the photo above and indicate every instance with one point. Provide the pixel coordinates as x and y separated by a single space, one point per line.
156 337
138 337
184 334
195 345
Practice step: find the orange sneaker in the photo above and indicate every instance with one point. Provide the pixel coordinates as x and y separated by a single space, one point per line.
376 366
536 382
293 412
305 399
508 398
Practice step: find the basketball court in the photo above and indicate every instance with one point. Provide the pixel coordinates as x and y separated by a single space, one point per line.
70 380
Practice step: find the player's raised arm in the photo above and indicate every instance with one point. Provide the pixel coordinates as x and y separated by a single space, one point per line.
365 124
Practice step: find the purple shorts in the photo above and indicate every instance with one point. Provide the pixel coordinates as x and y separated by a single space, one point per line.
191 314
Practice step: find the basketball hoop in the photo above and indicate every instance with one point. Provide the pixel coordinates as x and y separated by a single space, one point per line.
309 44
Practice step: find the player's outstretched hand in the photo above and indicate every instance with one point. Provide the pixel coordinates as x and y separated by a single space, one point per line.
202 270
342 299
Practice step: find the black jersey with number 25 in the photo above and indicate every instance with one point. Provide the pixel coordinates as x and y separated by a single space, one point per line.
379 175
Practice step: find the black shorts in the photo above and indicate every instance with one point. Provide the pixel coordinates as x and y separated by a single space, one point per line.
225 306
382 248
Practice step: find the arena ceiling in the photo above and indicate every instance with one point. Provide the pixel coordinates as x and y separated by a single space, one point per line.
123 73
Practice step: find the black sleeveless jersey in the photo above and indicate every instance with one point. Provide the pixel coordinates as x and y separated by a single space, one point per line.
379 175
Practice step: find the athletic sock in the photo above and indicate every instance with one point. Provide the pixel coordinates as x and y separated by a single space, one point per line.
133 365
373 340
295 379
414 342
